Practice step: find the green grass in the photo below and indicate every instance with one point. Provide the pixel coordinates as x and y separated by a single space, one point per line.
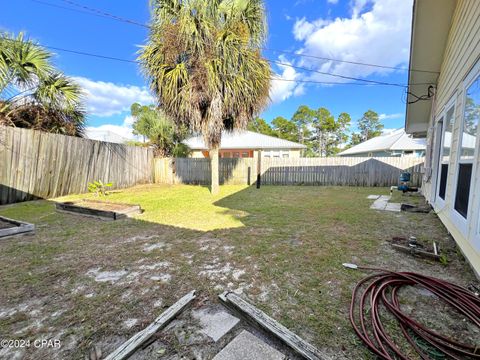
290 243
190 207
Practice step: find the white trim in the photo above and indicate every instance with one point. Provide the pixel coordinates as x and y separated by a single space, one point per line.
463 223
473 214
436 152
440 203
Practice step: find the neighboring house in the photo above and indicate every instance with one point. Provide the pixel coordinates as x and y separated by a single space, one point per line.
395 143
444 105
246 144
104 135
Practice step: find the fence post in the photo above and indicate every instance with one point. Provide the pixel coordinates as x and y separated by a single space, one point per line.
259 168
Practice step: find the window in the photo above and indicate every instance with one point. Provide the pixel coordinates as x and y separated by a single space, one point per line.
236 154
226 154
447 121
285 155
467 143
245 154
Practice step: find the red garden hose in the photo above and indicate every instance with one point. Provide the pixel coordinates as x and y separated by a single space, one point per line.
382 288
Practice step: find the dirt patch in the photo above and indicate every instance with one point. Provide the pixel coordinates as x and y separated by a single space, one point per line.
285 256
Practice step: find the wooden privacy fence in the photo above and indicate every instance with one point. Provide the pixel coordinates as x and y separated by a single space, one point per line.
35 164
340 171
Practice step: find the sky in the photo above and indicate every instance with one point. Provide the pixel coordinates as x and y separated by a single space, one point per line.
361 31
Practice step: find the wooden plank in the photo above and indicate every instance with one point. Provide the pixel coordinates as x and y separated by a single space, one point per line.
131 345
266 322
416 251
18 227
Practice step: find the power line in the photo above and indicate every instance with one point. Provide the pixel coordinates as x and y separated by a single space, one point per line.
346 61
337 75
367 82
106 14
92 55
97 12
361 81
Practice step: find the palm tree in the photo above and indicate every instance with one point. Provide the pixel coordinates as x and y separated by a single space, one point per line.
163 135
204 65
33 94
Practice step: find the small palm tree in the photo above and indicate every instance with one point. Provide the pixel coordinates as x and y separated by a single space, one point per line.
203 63
32 93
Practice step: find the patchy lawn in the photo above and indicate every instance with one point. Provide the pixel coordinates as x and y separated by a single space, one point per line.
88 282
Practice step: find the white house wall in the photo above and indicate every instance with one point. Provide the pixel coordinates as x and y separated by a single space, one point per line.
461 55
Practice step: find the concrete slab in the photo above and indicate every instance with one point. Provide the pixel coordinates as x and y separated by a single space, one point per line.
380 203
248 346
373 197
215 324
396 207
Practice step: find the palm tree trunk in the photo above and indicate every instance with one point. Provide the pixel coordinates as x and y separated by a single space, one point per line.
215 186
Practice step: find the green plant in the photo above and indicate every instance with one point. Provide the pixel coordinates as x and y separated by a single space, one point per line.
98 187
33 93
443 259
204 66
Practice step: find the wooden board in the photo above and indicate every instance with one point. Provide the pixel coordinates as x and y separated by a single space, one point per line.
81 207
416 251
131 345
330 171
292 340
17 228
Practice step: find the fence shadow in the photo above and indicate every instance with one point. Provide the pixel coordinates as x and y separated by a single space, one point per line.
10 195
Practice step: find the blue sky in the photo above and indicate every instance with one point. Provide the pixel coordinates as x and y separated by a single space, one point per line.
367 31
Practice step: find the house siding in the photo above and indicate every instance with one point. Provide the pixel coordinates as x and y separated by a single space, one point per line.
461 54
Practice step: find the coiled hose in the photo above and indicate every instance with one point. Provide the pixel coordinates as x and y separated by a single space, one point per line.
383 288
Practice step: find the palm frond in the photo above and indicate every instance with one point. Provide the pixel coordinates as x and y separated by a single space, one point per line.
203 64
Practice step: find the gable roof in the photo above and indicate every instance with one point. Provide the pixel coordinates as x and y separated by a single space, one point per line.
397 140
245 139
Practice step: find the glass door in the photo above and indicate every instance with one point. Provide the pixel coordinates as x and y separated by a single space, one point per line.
444 161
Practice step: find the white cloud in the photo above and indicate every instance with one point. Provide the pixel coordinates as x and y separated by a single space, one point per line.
282 90
378 35
107 99
391 116
112 133
332 1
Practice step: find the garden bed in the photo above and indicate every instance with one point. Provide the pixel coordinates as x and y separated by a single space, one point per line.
10 227
99 209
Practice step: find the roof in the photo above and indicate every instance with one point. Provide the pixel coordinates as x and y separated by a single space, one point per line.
431 21
243 139
396 140
104 135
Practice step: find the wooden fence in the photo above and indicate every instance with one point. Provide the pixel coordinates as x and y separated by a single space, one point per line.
36 164
340 171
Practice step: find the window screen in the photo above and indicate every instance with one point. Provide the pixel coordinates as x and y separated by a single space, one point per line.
443 181
463 188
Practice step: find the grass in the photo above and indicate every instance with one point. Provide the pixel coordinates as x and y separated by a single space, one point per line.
189 207
282 247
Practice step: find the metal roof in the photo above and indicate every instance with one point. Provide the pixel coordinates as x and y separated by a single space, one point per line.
244 139
397 140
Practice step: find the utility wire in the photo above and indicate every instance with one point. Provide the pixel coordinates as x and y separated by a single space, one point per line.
97 12
336 75
346 61
363 82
